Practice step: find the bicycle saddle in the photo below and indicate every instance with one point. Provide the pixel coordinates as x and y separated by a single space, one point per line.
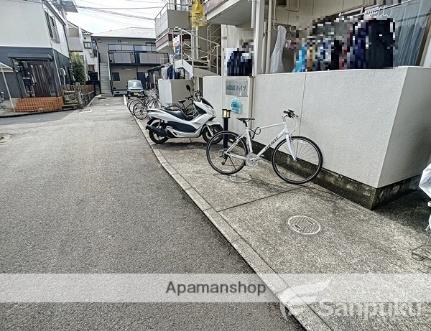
245 119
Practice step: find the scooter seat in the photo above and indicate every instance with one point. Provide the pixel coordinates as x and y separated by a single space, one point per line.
179 114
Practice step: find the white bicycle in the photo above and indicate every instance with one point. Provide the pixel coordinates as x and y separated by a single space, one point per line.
297 160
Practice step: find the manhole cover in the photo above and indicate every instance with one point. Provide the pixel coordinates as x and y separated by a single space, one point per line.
4 138
304 225
240 178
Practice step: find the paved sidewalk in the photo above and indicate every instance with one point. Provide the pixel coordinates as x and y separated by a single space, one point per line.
252 211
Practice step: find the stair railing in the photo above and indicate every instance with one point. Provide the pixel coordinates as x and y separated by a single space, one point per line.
211 53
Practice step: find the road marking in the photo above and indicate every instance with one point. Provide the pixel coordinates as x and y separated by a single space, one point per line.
124 100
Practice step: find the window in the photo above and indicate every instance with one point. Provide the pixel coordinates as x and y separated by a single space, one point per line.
115 76
48 22
87 45
91 68
52 27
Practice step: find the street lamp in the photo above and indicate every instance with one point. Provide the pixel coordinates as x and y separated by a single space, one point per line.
226 113
226 116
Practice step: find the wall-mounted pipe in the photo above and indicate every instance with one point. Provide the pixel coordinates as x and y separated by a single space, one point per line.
269 37
253 14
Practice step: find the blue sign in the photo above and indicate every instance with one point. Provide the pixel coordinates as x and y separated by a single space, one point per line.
236 105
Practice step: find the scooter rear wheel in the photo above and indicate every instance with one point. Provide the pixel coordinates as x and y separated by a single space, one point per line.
154 136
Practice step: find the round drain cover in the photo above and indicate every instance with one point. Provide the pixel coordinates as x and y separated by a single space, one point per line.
304 225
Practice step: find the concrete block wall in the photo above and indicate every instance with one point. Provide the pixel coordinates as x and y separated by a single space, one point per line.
373 126
354 116
409 147
172 90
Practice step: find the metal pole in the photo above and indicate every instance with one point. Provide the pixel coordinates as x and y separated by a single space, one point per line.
192 52
217 71
181 46
7 88
267 58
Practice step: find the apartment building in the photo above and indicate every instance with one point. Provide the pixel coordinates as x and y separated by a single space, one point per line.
126 54
34 44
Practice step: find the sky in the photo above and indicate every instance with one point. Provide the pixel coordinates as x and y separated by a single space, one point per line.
96 21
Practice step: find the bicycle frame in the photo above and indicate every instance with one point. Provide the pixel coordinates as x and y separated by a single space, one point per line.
285 133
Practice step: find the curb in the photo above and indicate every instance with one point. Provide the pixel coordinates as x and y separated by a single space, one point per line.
27 114
92 100
34 113
304 314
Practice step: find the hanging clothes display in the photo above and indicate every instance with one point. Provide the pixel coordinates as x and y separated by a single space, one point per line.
348 44
277 54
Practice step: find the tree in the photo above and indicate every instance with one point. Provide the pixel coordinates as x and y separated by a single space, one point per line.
78 68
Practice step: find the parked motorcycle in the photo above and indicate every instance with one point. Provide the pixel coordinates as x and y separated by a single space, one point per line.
166 124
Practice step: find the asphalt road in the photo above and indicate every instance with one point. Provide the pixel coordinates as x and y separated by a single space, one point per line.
81 192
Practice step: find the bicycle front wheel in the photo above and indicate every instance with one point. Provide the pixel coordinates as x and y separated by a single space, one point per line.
140 110
301 167
226 153
131 103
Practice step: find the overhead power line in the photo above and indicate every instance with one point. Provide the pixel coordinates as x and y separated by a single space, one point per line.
117 13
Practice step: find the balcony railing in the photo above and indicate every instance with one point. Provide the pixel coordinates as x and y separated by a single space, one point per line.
161 20
136 58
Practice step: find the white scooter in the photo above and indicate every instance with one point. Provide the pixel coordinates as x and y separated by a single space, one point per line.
165 124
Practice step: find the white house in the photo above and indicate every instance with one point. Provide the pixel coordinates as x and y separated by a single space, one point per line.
80 42
90 54
34 42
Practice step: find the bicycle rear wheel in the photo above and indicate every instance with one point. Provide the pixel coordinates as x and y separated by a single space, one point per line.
221 161
307 165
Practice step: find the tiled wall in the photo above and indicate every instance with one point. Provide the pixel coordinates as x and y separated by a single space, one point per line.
42 104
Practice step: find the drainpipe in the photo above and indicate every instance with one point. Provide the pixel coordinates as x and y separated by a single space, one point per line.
258 36
253 14
269 37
